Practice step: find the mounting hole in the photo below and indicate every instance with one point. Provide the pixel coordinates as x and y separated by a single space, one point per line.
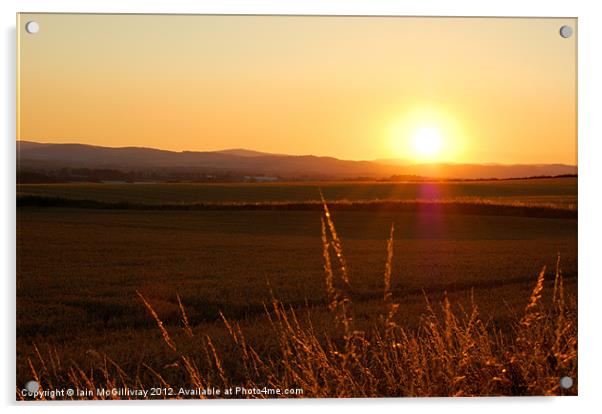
566 31
566 382
32 27
32 387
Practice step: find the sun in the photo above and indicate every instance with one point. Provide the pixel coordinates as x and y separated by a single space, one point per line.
426 134
427 142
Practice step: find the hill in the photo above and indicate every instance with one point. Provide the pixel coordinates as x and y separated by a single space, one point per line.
39 157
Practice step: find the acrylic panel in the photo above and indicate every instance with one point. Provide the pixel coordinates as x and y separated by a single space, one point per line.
248 206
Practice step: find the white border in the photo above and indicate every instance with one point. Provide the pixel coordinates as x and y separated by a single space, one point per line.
590 200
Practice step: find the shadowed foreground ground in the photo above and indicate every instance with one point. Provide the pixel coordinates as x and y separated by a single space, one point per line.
81 269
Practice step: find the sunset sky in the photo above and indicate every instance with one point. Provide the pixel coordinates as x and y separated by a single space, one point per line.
423 89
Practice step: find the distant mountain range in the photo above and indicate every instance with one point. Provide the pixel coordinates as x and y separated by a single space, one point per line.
34 156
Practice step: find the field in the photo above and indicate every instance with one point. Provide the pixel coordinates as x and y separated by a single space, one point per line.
90 279
554 192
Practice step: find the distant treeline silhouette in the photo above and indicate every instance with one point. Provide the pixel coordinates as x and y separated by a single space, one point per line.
419 178
100 175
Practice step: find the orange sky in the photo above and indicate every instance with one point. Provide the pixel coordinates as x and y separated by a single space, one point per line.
496 90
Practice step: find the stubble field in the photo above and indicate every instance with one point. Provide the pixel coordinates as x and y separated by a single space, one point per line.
81 272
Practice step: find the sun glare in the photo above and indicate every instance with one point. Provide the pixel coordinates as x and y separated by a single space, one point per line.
427 142
427 134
